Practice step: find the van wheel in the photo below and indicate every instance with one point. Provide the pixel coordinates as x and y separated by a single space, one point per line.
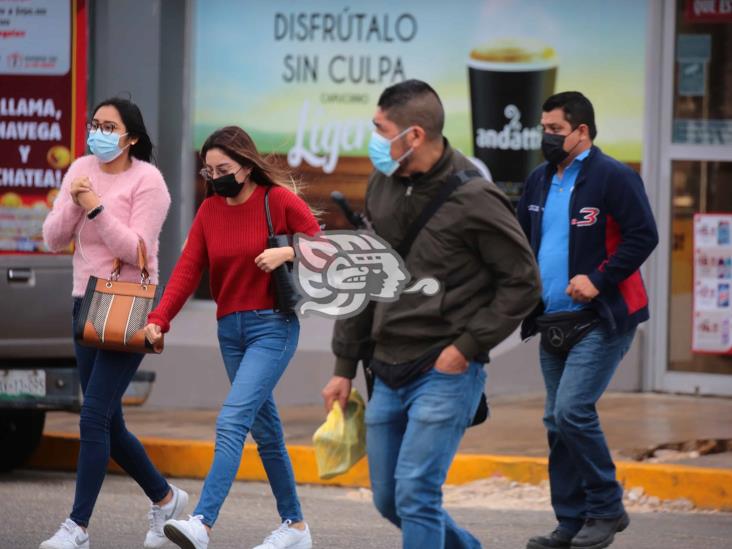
20 433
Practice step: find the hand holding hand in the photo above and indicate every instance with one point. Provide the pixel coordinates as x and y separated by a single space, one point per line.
82 193
79 185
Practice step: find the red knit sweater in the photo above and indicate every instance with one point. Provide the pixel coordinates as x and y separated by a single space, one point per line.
227 239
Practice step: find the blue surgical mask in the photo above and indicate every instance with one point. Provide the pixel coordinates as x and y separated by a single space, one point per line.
105 147
380 153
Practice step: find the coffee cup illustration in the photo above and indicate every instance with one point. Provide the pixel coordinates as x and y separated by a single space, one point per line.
509 81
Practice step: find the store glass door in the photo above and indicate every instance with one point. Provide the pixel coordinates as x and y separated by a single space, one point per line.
696 168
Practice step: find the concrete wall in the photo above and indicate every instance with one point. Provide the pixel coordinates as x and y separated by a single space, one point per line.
139 49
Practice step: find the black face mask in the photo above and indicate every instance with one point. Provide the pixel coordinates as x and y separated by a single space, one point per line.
552 145
226 186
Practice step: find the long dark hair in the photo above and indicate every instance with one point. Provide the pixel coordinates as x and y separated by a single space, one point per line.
132 119
239 146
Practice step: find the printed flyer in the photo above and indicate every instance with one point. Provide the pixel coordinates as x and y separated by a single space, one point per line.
712 282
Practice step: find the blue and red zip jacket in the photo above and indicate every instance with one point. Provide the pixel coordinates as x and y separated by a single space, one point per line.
612 232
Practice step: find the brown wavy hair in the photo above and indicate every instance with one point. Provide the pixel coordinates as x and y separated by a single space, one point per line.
239 146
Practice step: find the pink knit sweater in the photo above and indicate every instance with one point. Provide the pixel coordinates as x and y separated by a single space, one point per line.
135 203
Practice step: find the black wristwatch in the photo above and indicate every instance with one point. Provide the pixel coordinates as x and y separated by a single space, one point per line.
95 212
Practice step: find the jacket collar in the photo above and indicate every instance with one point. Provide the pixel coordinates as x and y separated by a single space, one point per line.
551 169
435 176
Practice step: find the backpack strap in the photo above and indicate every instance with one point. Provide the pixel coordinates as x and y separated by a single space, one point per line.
453 182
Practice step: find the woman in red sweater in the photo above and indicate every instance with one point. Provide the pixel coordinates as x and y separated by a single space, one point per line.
229 237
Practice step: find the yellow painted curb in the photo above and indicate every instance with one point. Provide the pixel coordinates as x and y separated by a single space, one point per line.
706 488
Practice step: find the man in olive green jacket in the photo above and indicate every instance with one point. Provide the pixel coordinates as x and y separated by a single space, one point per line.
427 352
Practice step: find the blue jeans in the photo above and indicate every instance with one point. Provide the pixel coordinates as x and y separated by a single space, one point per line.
256 347
581 470
412 435
105 376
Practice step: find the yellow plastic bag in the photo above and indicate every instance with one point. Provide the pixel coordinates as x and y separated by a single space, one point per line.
340 442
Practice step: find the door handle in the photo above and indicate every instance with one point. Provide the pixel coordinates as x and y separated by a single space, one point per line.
20 275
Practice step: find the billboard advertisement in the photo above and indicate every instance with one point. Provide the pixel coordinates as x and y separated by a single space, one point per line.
42 111
304 79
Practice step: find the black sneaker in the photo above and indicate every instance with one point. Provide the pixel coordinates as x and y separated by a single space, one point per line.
557 539
599 533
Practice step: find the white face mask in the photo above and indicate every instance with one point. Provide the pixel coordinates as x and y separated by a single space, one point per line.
380 153
105 147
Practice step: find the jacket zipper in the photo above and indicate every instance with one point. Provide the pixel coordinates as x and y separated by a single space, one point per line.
605 306
579 181
572 196
542 202
609 313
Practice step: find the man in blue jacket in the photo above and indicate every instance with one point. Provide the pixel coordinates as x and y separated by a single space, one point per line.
591 227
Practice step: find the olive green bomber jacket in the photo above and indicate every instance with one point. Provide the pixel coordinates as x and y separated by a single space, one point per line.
475 248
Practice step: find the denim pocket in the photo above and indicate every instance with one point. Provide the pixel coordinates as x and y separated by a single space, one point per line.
271 314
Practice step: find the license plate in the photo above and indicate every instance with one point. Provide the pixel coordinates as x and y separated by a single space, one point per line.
22 383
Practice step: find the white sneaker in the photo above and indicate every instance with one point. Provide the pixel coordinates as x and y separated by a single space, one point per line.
159 514
287 537
189 534
69 536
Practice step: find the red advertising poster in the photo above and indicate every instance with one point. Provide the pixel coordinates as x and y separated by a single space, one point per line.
709 11
42 111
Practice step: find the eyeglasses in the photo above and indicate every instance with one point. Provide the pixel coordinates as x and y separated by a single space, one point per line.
209 175
107 128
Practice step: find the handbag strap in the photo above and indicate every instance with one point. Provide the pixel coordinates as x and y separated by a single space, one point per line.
453 182
270 227
141 263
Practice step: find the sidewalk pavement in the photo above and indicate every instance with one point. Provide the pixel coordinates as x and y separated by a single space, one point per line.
511 443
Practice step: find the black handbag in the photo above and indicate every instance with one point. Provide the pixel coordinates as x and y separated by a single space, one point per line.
286 294
562 331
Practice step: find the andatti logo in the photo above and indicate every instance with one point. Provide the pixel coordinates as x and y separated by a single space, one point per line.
513 136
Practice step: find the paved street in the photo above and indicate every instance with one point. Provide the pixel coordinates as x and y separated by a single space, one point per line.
32 504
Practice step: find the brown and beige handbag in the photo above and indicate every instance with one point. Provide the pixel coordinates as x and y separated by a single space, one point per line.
113 314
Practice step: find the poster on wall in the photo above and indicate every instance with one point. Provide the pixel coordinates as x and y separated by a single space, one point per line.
708 11
307 86
712 323
42 111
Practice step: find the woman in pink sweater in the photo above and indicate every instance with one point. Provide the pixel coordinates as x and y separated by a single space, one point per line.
109 201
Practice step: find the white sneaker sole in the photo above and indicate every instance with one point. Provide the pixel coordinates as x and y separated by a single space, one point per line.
302 544
178 537
46 545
